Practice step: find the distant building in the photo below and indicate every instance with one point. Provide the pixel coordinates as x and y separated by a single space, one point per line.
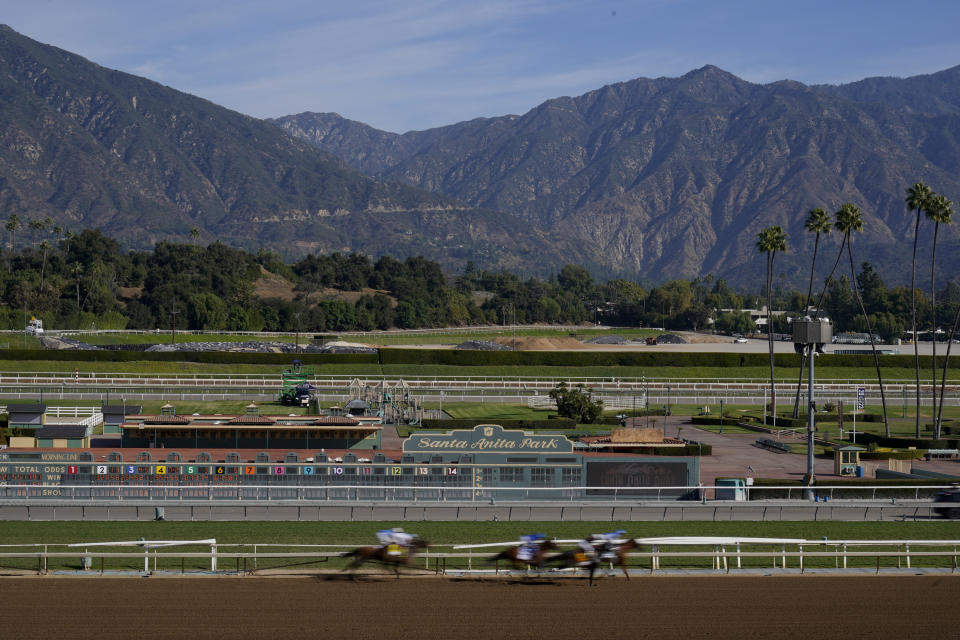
28 415
115 414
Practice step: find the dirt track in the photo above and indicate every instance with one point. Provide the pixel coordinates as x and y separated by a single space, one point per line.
661 607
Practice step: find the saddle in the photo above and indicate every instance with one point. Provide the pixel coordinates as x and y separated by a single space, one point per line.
394 550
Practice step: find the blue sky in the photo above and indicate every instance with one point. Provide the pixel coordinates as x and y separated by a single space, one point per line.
423 63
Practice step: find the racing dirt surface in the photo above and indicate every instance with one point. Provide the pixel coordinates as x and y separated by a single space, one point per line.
739 607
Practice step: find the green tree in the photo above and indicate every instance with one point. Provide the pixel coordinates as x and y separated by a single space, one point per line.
576 403
918 197
770 241
735 322
849 219
576 281
207 311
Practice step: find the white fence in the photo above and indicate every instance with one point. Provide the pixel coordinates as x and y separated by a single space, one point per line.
466 493
656 555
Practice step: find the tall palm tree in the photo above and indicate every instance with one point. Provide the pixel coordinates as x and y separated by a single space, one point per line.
36 225
769 241
194 234
849 219
917 198
45 245
940 210
13 223
817 222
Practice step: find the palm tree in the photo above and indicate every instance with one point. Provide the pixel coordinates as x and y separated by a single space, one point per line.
818 221
77 270
849 219
769 241
36 225
940 210
13 223
194 234
917 198
45 245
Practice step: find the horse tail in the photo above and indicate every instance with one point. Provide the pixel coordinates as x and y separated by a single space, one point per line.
348 554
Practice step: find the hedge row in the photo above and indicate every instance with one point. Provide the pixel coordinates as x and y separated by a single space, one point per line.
208 357
909 454
469 423
715 420
464 357
903 443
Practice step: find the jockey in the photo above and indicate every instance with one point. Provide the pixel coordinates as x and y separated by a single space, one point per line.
588 550
394 540
529 546
608 543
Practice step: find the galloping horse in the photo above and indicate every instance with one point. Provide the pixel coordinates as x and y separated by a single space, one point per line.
382 555
512 555
577 559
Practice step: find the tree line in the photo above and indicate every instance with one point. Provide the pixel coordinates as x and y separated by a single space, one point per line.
88 281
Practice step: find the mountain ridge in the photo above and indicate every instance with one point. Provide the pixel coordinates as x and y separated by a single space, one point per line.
92 147
675 176
649 178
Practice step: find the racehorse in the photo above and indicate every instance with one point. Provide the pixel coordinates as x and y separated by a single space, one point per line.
382 555
577 559
512 555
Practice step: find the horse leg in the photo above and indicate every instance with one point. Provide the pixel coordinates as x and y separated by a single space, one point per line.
623 565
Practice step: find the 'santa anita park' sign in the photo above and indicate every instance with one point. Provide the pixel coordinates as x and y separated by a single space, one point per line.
487 437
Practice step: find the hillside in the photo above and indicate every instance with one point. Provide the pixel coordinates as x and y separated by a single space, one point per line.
89 147
675 176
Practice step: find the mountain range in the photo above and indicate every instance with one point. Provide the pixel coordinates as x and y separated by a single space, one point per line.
652 178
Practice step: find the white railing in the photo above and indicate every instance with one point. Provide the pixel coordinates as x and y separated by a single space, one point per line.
655 555
790 495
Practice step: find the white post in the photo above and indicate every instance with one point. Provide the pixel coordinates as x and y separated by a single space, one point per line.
213 557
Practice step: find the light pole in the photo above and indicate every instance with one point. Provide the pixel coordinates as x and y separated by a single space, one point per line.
810 335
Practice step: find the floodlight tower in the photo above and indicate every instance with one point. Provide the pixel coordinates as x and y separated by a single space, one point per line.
811 334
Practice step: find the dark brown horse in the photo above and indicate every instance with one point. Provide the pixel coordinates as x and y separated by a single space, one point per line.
381 554
578 559
512 555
